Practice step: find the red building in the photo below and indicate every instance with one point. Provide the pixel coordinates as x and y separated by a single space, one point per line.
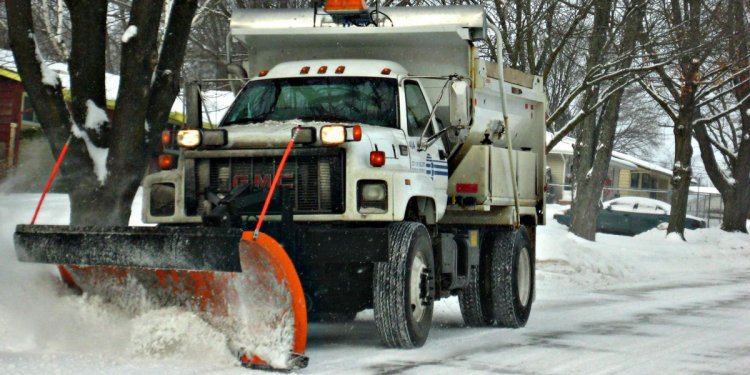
12 98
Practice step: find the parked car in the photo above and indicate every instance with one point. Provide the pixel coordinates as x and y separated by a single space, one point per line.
633 215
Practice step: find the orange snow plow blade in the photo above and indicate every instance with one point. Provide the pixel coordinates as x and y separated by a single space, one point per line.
260 307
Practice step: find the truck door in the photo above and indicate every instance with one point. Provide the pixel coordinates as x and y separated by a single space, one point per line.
433 161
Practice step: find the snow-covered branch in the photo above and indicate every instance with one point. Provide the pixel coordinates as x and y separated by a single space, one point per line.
659 99
723 113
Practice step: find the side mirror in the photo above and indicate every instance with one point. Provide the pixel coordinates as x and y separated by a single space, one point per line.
193 106
459 103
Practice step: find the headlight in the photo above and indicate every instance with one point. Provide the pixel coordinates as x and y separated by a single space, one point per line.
189 138
373 192
333 134
373 197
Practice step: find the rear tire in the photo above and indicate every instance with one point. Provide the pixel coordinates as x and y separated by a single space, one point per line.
404 287
500 291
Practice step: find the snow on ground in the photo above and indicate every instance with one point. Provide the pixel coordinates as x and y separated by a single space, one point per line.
641 304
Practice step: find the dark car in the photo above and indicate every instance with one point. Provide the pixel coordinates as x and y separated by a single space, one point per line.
633 215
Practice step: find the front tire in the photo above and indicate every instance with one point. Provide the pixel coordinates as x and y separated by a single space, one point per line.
500 291
404 287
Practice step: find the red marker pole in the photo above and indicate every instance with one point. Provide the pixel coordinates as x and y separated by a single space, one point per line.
51 178
276 179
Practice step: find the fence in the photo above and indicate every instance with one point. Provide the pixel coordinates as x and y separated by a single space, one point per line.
705 205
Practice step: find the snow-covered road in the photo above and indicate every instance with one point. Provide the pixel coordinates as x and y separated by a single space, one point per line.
621 305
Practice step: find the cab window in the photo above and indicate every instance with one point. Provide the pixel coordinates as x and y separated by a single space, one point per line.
417 111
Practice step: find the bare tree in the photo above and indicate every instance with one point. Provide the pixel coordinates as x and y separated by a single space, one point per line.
106 160
595 141
639 130
682 89
726 129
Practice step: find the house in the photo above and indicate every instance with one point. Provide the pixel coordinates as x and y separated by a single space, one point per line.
626 176
11 119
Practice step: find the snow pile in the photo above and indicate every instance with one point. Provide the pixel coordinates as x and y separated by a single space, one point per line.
616 260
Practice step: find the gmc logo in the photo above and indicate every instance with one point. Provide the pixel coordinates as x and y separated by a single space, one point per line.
260 181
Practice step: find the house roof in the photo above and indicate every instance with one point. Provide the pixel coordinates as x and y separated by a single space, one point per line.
565 147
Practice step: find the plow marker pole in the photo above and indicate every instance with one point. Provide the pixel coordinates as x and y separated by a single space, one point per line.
276 179
51 178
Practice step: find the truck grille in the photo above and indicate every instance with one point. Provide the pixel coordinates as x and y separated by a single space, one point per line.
316 181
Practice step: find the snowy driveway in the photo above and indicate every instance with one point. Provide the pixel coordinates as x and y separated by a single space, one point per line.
621 305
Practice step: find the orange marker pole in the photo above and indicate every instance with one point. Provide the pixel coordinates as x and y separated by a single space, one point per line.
276 179
51 178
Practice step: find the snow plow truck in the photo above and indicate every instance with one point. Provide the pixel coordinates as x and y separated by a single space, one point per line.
373 161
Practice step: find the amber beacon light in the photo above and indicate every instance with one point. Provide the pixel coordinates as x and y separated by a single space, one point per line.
345 6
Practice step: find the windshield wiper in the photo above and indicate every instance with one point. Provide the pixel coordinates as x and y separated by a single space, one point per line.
243 120
325 117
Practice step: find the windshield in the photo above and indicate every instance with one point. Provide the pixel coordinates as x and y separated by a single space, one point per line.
344 99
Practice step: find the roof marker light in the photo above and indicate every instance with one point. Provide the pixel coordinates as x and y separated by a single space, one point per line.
340 69
262 73
385 71
304 70
322 69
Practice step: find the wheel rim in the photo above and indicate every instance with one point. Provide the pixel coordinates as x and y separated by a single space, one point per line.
417 289
523 278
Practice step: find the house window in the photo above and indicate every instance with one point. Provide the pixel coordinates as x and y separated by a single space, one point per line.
635 180
647 181
28 114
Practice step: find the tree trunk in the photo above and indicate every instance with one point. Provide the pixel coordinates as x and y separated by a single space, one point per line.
103 199
47 99
735 193
583 153
683 125
166 84
681 171
595 143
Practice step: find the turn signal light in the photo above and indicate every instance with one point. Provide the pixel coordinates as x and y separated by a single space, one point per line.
357 133
377 158
166 138
166 162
